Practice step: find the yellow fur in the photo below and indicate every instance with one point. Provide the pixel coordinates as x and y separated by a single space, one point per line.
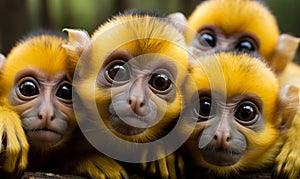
137 35
278 49
237 16
288 159
17 146
242 74
45 54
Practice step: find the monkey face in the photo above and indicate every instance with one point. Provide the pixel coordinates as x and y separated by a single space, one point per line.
141 88
45 105
220 129
243 26
136 77
235 110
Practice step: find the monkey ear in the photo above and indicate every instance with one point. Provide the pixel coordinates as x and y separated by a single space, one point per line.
284 52
78 40
77 43
179 19
289 103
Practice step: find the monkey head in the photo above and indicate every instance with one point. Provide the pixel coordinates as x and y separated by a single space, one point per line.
133 68
40 90
240 113
241 25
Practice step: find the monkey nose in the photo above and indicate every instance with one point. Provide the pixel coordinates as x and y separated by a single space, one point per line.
46 115
222 138
137 104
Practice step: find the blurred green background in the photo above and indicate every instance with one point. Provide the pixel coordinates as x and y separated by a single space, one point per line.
18 17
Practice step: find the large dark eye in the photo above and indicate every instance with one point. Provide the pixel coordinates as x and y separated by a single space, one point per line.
207 39
64 91
160 81
245 46
206 108
28 88
246 113
117 71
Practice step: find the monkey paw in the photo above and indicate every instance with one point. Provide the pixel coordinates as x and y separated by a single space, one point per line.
287 163
14 146
172 166
100 166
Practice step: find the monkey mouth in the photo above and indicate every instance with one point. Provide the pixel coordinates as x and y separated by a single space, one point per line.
43 137
221 156
128 125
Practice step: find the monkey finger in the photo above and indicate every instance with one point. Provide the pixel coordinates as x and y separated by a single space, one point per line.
163 168
144 166
12 151
180 166
171 166
107 166
24 149
152 168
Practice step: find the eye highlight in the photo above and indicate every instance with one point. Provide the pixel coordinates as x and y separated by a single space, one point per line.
206 109
117 71
28 88
245 46
246 113
207 39
64 91
160 81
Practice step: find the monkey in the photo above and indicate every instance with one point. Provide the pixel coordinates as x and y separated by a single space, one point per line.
249 26
131 69
40 91
240 118
243 25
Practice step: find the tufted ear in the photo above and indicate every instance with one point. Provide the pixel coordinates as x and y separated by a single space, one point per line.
78 40
289 104
179 19
284 52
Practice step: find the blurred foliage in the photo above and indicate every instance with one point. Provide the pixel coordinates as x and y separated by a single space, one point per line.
89 14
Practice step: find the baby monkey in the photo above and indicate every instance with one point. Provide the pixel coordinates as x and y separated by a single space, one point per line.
40 90
240 117
129 75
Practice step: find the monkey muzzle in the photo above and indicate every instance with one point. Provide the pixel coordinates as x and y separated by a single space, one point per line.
221 156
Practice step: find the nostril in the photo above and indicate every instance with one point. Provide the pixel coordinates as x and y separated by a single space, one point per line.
141 104
129 101
40 116
228 139
216 137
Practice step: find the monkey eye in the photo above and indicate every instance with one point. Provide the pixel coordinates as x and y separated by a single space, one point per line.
117 71
246 113
245 46
160 81
207 40
28 87
206 109
64 92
